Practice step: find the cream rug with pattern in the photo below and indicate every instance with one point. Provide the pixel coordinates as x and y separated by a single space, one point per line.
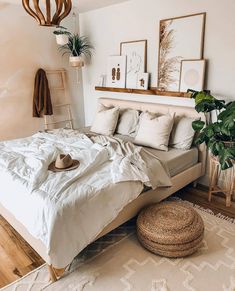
118 262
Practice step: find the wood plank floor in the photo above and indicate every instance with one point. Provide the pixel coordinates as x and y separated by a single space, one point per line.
199 196
17 258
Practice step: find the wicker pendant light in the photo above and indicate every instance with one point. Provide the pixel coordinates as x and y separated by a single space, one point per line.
61 9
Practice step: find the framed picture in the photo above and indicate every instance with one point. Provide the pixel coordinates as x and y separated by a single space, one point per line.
143 81
102 81
192 75
136 54
116 72
180 38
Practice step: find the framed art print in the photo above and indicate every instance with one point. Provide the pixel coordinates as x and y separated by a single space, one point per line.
136 54
181 38
142 81
116 72
192 75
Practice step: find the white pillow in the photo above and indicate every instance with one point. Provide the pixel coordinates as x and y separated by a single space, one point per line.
154 131
182 133
105 120
128 121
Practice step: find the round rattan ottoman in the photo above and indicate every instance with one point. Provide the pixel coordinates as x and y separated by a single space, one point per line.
171 229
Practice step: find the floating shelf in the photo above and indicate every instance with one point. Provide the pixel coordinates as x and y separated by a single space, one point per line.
151 91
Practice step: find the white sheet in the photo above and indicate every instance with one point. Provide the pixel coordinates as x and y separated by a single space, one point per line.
67 210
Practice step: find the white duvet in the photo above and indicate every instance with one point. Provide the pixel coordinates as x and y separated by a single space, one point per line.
67 210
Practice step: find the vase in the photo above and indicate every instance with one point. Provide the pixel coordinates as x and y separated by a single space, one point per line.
62 39
76 61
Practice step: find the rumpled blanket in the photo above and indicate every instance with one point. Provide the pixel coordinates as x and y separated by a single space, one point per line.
67 210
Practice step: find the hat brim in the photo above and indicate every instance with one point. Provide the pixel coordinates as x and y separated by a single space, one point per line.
74 166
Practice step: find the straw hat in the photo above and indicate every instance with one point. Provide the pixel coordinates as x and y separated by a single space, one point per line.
63 163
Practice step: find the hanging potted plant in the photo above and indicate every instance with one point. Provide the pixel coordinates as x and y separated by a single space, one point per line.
218 134
77 47
62 35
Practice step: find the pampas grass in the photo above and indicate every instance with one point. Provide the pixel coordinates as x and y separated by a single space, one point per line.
167 66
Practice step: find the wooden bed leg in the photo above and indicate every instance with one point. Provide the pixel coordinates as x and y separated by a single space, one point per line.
55 274
52 273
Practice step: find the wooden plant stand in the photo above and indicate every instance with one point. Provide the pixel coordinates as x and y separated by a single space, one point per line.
228 184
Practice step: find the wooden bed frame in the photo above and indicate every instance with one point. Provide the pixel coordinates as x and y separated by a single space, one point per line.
152 196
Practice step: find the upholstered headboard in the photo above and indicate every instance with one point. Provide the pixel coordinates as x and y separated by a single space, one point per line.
162 109
152 107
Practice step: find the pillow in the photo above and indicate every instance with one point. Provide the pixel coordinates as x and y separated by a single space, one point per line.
182 133
128 121
105 120
154 131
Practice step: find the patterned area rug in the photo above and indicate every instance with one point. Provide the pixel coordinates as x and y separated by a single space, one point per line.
118 262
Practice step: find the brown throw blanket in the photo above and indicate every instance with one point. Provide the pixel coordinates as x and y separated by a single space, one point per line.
41 95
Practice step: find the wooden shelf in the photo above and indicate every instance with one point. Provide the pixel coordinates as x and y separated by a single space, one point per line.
151 91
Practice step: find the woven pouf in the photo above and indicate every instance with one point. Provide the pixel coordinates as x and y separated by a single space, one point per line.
170 229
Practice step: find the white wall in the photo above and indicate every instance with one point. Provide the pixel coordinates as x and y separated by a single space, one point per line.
25 47
139 19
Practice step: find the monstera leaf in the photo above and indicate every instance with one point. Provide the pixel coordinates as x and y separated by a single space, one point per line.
216 134
198 125
226 158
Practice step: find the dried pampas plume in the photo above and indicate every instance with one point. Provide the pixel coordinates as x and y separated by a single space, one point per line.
167 66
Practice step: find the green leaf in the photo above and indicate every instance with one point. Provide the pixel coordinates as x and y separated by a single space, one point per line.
219 146
198 125
201 96
205 106
219 104
201 138
226 158
212 146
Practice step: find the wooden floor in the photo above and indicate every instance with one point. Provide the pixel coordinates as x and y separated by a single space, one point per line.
17 258
199 196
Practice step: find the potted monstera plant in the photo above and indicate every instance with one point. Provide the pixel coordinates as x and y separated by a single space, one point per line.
77 47
62 35
219 132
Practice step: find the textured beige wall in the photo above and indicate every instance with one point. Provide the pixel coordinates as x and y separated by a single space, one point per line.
24 47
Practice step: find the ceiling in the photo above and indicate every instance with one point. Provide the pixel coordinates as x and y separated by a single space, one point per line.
83 5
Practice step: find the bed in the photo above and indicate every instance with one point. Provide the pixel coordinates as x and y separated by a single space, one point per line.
133 196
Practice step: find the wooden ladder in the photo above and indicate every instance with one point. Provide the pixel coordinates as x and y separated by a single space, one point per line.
61 73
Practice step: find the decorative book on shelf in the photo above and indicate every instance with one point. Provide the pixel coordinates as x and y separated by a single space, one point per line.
151 91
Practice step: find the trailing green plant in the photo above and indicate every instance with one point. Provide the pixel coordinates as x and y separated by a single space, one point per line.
218 135
77 46
62 30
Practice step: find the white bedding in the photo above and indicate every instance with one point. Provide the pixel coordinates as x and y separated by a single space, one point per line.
67 210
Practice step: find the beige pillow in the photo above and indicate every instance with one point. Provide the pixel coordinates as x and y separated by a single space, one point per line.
154 131
128 121
182 133
105 121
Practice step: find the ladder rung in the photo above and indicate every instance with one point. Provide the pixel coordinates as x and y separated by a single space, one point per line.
61 105
55 71
67 120
56 88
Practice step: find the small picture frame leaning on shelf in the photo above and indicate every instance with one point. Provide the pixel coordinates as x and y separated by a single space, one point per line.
192 75
143 81
116 72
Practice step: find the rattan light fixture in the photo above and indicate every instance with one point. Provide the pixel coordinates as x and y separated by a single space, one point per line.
48 12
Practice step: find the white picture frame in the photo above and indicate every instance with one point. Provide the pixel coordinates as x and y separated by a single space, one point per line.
142 81
180 38
116 72
101 81
192 75
136 54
